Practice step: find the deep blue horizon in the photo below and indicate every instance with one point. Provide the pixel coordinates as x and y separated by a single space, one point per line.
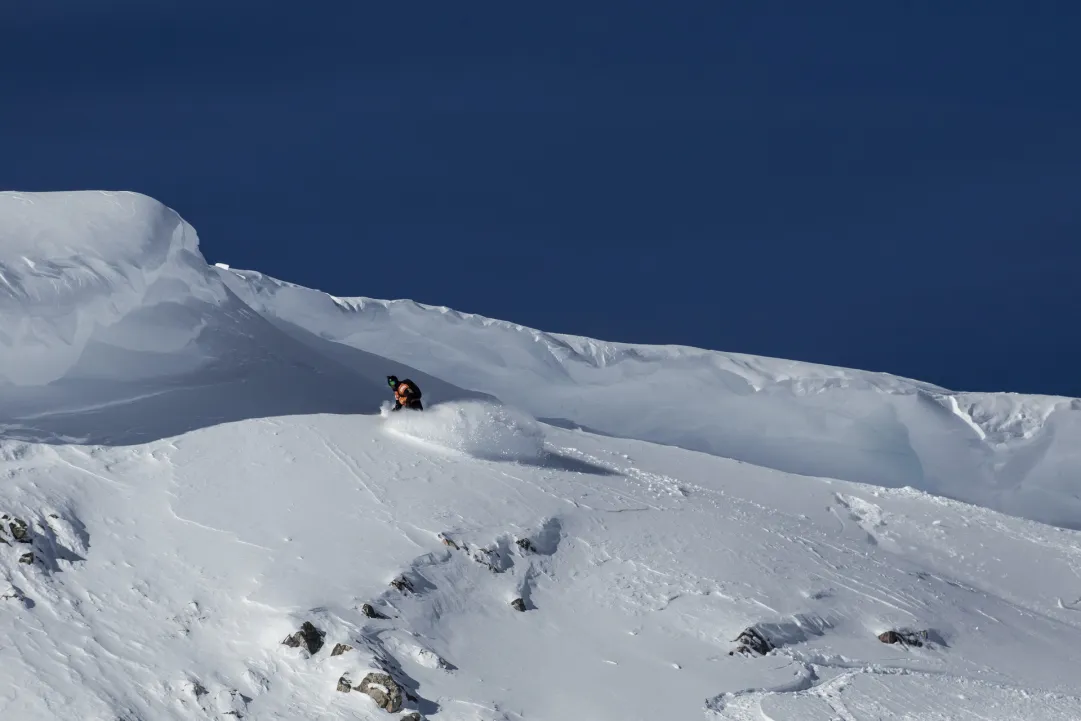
891 189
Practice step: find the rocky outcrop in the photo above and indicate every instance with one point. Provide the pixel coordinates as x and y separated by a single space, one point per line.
526 545
308 636
384 690
369 611
340 648
27 558
492 558
402 584
518 604
17 527
905 638
752 642
344 684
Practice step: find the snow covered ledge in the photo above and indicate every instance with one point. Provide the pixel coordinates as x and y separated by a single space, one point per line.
75 264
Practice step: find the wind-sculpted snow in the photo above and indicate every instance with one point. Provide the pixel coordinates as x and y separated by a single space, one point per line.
1010 452
74 266
481 430
113 329
204 475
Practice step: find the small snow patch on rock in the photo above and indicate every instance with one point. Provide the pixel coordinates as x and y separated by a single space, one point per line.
383 690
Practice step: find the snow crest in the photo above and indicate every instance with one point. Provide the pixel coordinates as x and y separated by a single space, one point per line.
481 430
74 265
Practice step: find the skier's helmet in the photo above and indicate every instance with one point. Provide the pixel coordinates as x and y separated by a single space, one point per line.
392 381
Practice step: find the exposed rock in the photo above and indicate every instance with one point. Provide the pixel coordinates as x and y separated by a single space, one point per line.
752 643
518 604
27 558
308 636
447 541
413 717
19 530
384 690
369 611
490 558
341 648
402 584
905 638
344 684
526 545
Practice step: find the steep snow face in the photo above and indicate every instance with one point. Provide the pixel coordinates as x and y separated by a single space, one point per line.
77 267
1005 451
113 329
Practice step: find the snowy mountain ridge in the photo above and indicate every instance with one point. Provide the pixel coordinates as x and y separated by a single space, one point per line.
207 512
1006 451
998 417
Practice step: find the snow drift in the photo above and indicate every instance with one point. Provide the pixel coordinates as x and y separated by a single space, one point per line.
481 430
113 329
106 302
78 266
1005 451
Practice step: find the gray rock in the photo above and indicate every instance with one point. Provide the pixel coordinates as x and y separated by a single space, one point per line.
384 690
19 530
413 717
402 584
369 611
341 648
526 545
345 685
752 643
905 638
27 558
308 636
518 604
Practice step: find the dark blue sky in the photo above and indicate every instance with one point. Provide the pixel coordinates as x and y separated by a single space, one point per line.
890 186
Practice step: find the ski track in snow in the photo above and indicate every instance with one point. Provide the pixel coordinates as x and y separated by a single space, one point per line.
206 468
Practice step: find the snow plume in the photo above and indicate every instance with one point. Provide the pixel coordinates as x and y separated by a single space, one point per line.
481 430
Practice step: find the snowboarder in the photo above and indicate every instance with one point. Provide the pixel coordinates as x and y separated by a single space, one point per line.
406 394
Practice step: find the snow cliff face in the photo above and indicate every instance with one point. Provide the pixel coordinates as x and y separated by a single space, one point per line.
114 329
105 267
206 513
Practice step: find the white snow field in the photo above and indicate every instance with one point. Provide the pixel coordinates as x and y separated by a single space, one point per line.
197 461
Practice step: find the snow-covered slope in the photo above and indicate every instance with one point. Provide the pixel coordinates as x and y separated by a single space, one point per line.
114 329
194 468
1015 453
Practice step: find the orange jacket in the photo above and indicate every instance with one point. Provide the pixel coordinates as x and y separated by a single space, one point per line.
403 393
